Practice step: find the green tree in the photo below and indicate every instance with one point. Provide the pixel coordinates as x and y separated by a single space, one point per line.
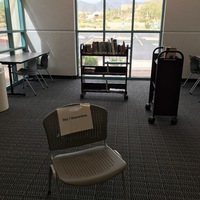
91 61
151 11
2 12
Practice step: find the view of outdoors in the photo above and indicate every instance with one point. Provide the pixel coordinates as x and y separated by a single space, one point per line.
6 27
3 36
2 15
137 24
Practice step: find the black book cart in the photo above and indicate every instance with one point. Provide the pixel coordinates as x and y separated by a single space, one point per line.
165 83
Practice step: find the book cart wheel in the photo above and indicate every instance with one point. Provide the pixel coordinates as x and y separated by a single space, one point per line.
151 120
126 97
82 96
148 106
174 121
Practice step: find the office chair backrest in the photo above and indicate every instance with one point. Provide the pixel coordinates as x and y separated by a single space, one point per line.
32 66
98 133
44 61
194 65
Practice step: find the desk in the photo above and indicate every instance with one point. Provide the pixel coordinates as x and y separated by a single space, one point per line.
17 59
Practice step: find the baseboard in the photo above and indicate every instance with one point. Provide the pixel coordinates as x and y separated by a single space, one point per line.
60 77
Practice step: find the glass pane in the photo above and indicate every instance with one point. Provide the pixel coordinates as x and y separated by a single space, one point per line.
89 38
2 16
14 15
17 40
90 14
19 65
118 15
148 15
4 42
143 46
120 37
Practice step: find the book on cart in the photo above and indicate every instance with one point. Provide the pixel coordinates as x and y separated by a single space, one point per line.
105 47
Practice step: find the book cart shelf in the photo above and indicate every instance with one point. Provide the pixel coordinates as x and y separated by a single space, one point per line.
111 76
165 84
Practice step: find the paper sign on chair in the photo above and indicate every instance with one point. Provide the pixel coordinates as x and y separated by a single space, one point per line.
74 119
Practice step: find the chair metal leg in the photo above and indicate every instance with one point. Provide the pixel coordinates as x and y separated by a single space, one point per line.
194 86
57 190
49 75
23 82
29 85
187 79
50 180
43 79
124 185
53 172
39 81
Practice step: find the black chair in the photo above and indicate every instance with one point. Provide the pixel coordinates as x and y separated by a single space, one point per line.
194 69
29 71
43 65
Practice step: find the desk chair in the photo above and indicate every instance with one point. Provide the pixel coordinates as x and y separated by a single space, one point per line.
194 69
87 166
43 65
30 70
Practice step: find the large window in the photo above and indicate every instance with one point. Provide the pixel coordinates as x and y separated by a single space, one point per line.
11 30
136 22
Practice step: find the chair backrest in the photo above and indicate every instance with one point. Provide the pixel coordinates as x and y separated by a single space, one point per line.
32 66
98 133
194 65
44 61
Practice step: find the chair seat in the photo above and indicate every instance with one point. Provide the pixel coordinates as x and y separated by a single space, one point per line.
26 71
89 166
41 66
22 71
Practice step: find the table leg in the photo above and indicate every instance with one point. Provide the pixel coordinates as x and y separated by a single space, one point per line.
11 82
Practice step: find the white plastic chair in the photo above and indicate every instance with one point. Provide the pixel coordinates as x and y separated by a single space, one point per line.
87 166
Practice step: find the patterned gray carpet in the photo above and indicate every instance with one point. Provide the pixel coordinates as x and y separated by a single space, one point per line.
163 161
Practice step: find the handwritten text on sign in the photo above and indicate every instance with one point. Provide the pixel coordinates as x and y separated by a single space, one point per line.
74 118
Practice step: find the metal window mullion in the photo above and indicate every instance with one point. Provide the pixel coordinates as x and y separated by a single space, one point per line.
104 25
9 26
131 47
104 20
77 41
162 22
21 22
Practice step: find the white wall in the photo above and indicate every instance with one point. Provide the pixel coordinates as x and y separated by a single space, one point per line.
50 27
182 28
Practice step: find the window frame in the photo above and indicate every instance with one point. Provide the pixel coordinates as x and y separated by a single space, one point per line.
104 31
10 31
